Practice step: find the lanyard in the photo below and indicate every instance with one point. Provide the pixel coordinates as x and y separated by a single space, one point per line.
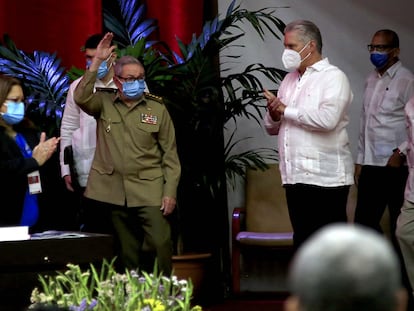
24 147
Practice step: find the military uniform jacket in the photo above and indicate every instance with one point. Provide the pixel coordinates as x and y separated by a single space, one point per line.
136 161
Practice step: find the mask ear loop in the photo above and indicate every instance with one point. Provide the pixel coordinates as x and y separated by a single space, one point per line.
302 60
110 64
306 45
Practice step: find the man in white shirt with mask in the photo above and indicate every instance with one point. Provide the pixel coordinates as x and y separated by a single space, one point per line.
380 170
78 129
310 115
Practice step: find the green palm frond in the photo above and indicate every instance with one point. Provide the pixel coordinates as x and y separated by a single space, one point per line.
44 80
8 49
261 20
221 33
75 73
244 90
200 98
198 65
130 25
236 165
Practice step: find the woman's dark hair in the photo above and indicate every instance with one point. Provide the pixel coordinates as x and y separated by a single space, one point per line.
6 84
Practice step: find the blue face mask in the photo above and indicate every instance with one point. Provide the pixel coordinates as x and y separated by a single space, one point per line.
133 89
103 69
88 63
14 113
379 59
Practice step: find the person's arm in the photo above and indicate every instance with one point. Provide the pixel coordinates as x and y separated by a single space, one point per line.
84 92
170 163
273 116
360 147
361 137
70 123
20 165
45 149
398 156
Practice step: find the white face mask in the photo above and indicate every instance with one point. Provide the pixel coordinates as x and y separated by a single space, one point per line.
292 60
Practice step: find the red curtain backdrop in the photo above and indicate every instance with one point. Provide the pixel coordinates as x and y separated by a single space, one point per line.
62 26
53 26
176 18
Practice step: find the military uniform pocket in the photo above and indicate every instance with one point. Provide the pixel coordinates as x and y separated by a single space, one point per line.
102 168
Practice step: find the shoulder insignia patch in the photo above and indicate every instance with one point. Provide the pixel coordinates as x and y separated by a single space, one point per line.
153 97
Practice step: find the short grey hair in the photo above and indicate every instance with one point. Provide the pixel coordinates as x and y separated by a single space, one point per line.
307 31
125 60
346 267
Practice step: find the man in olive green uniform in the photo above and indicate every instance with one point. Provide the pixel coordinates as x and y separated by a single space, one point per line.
136 170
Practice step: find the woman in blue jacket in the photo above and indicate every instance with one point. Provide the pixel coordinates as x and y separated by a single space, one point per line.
23 152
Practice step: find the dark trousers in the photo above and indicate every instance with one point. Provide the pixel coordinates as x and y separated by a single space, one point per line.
312 207
95 216
144 237
379 187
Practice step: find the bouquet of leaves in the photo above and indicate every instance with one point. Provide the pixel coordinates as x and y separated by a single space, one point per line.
105 289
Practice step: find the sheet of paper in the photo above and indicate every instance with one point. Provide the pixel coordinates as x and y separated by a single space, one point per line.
16 233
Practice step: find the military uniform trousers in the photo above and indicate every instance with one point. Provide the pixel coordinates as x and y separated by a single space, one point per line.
144 235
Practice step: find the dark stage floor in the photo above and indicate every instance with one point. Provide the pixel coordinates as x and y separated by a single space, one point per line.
249 302
246 305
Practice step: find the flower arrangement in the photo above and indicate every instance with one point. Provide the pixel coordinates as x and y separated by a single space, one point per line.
107 290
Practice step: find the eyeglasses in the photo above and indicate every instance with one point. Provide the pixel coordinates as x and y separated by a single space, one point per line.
379 47
14 99
130 79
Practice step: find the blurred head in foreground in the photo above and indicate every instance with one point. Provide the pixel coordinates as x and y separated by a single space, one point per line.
345 267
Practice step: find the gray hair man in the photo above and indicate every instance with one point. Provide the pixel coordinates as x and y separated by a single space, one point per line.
346 267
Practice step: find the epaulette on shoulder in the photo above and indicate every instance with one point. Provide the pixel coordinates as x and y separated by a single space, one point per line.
154 97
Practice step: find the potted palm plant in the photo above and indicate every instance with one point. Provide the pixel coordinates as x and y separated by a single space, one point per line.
202 101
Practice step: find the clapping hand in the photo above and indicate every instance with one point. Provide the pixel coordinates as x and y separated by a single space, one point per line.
275 107
44 150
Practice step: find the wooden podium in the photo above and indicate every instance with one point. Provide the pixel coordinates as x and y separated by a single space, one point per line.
22 261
